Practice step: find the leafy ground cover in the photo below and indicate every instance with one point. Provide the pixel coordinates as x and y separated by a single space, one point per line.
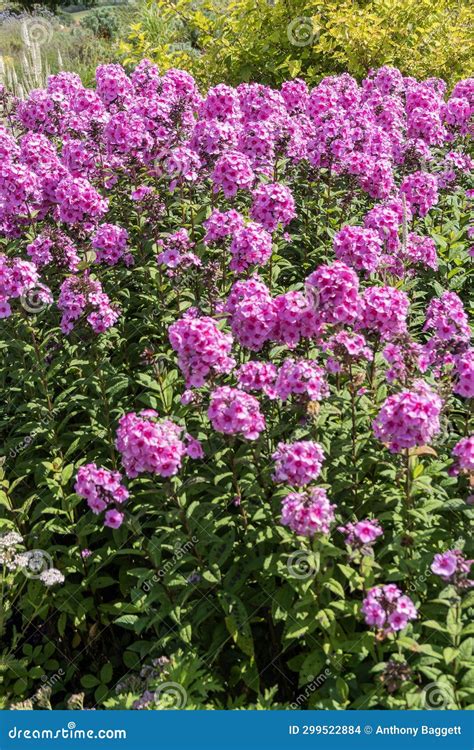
237 379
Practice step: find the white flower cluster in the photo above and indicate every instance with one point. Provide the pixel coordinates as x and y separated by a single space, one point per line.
34 563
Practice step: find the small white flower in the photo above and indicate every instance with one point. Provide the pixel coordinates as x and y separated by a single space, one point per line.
51 577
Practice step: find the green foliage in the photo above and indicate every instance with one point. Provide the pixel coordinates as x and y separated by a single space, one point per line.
34 46
102 22
191 575
257 40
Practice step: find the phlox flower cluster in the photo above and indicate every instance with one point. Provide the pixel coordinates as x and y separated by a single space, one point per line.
463 453
251 245
176 250
295 319
453 567
446 317
103 491
19 191
386 218
149 446
334 292
202 349
403 356
74 139
295 95
17 277
362 535
272 205
346 349
383 312
421 191
78 201
222 224
221 103
183 165
409 418
308 513
257 376
82 297
54 246
464 374
234 412
252 313
257 141
297 463
110 244
448 345
232 172
359 247
421 251
301 378
388 609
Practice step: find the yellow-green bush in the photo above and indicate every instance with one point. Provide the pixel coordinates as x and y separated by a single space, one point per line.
271 40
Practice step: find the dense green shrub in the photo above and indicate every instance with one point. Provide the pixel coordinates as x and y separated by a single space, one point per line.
103 22
198 582
271 41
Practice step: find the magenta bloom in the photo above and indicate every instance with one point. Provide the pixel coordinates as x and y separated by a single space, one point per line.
298 463
149 446
79 201
82 297
362 534
113 519
346 348
308 513
295 319
222 224
384 311
409 418
233 172
301 378
103 489
273 204
110 243
421 190
193 447
252 312
54 246
388 608
464 373
257 376
202 349
444 565
358 247
334 292
453 567
234 412
251 245
447 318
463 451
